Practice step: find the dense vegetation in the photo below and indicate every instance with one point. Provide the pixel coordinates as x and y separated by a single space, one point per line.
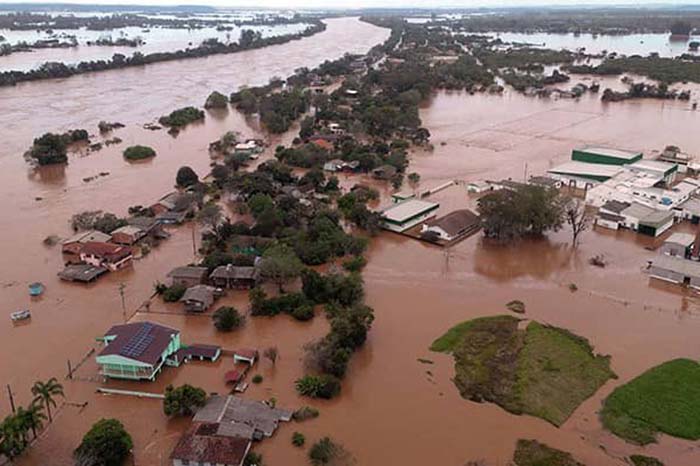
665 70
181 117
216 100
663 399
139 152
52 148
543 371
509 214
107 443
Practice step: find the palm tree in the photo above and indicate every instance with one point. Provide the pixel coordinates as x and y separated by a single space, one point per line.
44 393
20 424
34 417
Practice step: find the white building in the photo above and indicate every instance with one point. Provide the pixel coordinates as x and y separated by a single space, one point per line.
405 215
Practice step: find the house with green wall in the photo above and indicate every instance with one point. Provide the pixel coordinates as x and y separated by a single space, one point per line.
138 351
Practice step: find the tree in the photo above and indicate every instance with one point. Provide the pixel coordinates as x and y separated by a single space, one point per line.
227 318
107 443
318 386
139 152
34 417
328 452
510 214
210 216
183 400
578 218
186 177
271 353
280 265
216 100
12 434
45 393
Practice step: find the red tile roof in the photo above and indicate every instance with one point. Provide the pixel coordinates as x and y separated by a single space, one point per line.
200 444
108 251
232 376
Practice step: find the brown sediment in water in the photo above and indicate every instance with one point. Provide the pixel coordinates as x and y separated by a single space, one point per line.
391 411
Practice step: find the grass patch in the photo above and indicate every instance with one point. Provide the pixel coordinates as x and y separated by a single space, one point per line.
543 371
534 453
641 460
666 398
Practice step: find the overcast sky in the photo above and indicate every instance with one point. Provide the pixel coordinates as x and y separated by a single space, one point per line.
369 3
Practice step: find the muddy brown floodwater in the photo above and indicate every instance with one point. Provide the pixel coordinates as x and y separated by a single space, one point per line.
393 409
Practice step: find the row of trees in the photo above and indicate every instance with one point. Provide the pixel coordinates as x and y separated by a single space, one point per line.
15 428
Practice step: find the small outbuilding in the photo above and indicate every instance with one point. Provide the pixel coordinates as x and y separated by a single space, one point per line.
678 245
676 270
198 298
455 225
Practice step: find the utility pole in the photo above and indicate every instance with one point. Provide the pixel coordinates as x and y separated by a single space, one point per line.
12 400
525 179
447 252
122 287
194 243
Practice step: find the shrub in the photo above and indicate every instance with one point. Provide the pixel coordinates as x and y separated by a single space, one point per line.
227 318
253 459
139 153
257 378
174 293
298 439
304 413
326 451
318 386
107 443
303 312
355 264
181 117
183 400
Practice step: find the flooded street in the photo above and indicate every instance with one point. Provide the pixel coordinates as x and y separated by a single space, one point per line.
393 409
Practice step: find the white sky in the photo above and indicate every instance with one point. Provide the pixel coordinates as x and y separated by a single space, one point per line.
371 3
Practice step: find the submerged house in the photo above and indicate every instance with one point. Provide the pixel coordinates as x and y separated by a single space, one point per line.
248 417
678 245
108 255
127 235
455 225
235 277
206 444
137 351
198 298
74 244
188 276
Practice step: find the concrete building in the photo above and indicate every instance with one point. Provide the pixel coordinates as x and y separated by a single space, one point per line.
127 235
404 215
583 174
666 172
676 270
75 243
605 155
678 245
110 256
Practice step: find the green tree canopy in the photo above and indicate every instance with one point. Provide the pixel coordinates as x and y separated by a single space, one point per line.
183 400
107 443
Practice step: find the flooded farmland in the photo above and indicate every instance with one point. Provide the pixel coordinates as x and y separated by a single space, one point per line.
417 290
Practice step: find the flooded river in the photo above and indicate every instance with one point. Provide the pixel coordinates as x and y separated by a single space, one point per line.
393 409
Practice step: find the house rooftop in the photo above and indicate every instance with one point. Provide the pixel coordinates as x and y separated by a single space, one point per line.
106 250
684 239
128 230
584 169
615 206
404 211
234 409
456 222
188 271
201 293
677 264
235 272
81 273
88 236
141 341
607 151
202 444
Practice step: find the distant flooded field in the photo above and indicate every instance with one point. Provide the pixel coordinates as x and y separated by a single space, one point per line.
631 44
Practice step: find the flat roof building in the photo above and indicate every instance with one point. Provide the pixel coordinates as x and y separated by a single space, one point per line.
585 171
605 155
404 215
676 270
